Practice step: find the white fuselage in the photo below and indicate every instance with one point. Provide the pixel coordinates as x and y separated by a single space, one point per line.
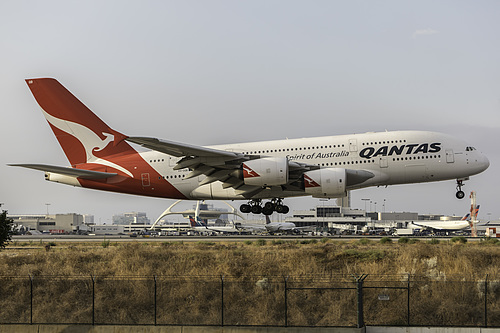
280 227
442 225
398 157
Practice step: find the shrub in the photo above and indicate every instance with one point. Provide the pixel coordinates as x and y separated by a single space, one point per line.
459 239
489 241
408 240
5 229
433 241
385 240
308 241
403 240
364 241
206 243
261 242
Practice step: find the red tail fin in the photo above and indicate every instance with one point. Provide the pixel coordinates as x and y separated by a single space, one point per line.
82 135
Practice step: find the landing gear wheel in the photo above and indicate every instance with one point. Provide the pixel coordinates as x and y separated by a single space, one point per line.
460 194
245 208
282 209
269 206
256 209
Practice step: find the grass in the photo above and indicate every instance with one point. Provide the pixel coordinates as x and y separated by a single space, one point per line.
260 257
124 275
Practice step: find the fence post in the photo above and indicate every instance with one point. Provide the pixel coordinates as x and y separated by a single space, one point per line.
408 301
359 288
222 300
93 299
286 302
31 299
155 304
486 301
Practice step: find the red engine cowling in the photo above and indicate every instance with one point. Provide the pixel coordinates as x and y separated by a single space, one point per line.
267 171
325 183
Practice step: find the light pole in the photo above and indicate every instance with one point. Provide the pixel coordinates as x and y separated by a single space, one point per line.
365 200
47 204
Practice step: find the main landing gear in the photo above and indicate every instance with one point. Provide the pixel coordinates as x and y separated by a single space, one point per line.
254 206
460 194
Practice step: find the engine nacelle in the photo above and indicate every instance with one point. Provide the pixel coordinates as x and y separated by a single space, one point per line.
325 183
267 171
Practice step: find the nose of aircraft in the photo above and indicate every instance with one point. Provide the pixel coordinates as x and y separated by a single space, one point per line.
483 162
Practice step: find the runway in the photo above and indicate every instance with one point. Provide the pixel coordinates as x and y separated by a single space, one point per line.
228 238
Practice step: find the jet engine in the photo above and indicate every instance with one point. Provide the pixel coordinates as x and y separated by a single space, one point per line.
325 183
267 171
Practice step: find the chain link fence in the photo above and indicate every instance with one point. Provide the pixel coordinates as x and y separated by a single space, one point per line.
315 301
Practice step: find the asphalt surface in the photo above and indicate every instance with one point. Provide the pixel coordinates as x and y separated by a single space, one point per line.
228 238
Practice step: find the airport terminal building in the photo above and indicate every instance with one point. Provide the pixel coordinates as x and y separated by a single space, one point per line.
337 219
54 224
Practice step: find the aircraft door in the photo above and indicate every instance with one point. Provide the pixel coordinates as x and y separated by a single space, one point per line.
383 162
145 179
450 157
353 145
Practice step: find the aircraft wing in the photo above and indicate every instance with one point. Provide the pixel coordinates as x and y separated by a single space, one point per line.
225 166
80 173
306 228
251 227
180 149
216 164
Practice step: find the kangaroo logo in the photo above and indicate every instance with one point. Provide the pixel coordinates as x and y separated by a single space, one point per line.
248 172
90 141
309 182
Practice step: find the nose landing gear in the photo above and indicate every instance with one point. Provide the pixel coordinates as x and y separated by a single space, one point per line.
275 205
460 194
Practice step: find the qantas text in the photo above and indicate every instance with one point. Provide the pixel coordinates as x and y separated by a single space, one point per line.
423 148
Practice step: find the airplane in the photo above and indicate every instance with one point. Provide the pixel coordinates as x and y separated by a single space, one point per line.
273 227
322 167
456 225
286 227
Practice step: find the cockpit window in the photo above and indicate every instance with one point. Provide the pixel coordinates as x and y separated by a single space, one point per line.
470 148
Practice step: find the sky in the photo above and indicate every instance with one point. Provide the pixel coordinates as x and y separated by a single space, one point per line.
215 72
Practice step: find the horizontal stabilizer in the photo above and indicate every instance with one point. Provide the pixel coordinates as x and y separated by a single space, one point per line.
80 173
